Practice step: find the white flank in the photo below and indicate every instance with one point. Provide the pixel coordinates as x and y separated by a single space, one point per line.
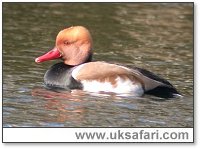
123 87
76 70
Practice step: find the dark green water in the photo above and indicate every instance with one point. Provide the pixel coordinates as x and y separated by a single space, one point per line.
157 37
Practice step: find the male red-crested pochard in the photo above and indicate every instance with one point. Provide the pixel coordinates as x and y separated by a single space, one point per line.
77 71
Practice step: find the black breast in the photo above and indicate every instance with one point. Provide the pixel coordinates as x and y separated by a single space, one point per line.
59 76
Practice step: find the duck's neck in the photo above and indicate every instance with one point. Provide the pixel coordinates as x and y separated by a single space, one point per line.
89 59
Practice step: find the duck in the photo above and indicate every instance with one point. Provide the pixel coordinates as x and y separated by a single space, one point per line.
74 45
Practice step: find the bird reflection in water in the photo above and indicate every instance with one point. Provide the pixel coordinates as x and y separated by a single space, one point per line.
63 106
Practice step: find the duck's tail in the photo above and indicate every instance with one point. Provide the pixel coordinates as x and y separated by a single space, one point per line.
164 92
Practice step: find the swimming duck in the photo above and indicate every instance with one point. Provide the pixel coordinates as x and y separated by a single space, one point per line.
77 71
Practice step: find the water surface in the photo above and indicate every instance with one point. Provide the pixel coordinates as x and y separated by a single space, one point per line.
157 37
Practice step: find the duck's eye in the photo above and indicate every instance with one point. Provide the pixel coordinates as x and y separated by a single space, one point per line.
66 42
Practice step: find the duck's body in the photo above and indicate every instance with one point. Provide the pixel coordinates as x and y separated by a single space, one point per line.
78 72
105 77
